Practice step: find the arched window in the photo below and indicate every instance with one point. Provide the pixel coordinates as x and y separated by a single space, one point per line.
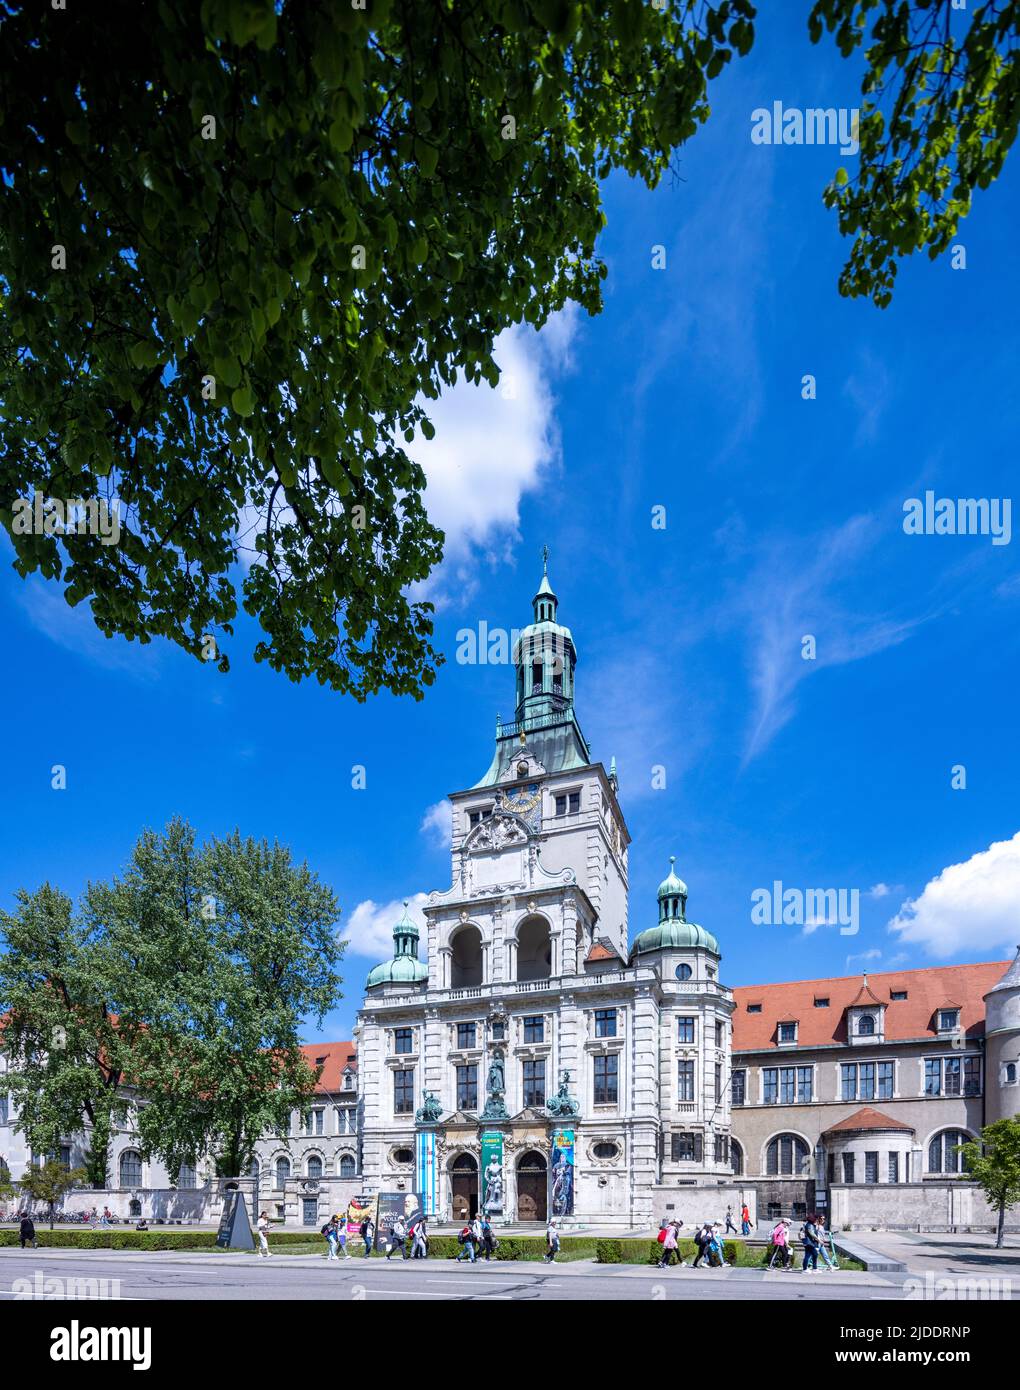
253 1168
736 1158
534 950
315 1166
130 1168
787 1156
866 1025
187 1178
282 1171
466 958
347 1166
1010 1073
941 1155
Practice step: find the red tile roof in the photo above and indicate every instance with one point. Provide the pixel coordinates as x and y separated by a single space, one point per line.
867 1119
912 1017
602 950
338 1056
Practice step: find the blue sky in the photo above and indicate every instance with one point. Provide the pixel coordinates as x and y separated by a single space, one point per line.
784 518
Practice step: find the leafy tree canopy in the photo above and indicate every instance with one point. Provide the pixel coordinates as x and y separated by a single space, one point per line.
184 985
993 1162
243 243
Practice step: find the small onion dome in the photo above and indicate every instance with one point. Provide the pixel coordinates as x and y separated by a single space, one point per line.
671 886
405 967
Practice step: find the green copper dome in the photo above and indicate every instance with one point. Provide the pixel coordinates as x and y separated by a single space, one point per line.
405 968
674 932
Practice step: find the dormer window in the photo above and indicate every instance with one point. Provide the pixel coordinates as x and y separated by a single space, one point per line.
754 1008
898 995
821 1003
949 1020
866 1026
787 1032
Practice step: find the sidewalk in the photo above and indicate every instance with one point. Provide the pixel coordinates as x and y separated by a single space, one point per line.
940 1252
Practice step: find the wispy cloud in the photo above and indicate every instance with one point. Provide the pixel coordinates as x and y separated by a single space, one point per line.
43 604
370 926
437 824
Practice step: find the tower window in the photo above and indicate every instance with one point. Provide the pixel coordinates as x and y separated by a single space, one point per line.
536 678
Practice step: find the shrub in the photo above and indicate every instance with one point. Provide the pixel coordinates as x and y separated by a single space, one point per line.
608 1252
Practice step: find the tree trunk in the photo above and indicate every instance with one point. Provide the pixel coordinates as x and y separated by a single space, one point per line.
1002 1221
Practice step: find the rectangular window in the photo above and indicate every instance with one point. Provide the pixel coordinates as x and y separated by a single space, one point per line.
972 1076
686 1148
894 1168
575 803
4 1109
770 1085
718 1033
536 677
718 1082
685 1030
832 1169
952 1071
465 1035
871 1167
65 1155
821 1003
605 1023
866 1081
467 1088
754 1008
606 1080
738 1087
722 1148
534 1083
885 1080
848 1081
848 1167
899 994
403 1040
933 1076
685 1081
804 1085
403 1092
787 1032
534 1029
787 1085
561 805
947 1020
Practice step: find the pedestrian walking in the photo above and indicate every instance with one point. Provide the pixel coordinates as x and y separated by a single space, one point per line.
419 1241
552 1242
467 1243
398 1239
670 1243
488 1238
826 1246
702 1237
27 1231
367 1232
809 1235
341 1235
262 1227
780 1245
329 1231
729 1222
745 1220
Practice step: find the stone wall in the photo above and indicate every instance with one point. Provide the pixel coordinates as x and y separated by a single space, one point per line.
699 1203
924 1206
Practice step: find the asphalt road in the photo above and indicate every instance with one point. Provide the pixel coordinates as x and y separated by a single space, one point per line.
199 1277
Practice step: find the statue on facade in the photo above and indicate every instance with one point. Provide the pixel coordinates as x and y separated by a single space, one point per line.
430 1109
563 1103
492 1178
495 1105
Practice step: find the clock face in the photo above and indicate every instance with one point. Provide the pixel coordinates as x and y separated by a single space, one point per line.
524 799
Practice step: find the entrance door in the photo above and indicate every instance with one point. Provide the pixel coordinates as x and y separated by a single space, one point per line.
309 1211
464 1184
532 1187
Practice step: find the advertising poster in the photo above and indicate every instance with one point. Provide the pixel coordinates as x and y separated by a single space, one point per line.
391 1205
426 1170
492 1173
357 1209
562 1198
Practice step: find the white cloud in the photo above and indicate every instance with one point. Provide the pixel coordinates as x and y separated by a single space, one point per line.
880 890
873 954
370 926
437 824
43 603
491 446
967 907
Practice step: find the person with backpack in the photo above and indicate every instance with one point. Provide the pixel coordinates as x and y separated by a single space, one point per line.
398 1237
27 1231
467 1243
670 1238
329 1231
716 1252
367 1233
701 1239
809 1235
